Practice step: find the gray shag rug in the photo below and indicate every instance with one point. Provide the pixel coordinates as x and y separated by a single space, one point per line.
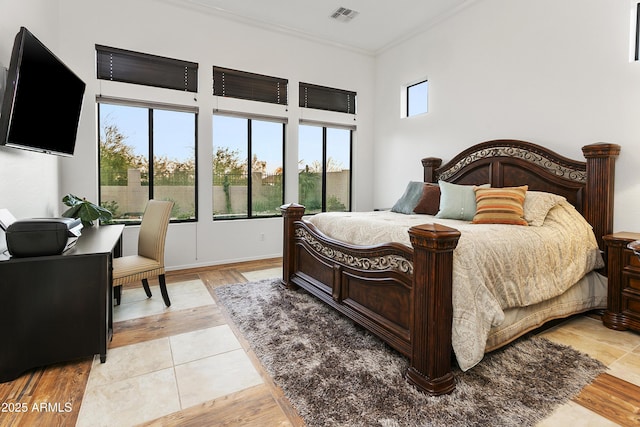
335 373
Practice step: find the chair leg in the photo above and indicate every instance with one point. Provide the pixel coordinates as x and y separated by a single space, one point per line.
117 293
145 285
163 290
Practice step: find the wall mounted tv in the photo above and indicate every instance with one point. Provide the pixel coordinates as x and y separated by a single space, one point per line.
42 101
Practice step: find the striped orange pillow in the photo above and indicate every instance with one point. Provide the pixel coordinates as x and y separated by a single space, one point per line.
500 205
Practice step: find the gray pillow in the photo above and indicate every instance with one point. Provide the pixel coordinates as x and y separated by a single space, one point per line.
457 201
409 199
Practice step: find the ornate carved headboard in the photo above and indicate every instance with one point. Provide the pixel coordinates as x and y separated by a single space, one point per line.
588 185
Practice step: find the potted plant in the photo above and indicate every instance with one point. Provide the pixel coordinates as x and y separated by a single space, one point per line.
85 210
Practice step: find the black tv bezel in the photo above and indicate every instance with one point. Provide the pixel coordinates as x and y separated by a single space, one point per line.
7 103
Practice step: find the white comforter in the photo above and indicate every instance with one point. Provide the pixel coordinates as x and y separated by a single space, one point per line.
495 266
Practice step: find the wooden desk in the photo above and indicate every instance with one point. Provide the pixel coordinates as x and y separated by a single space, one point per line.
58 308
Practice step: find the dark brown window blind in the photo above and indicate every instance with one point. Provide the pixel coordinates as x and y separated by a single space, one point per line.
326 98
245 85
142 68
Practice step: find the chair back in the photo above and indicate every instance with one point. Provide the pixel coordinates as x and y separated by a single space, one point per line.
153 229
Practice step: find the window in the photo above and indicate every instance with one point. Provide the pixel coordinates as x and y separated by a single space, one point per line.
417 96
248 169
324 177
131 135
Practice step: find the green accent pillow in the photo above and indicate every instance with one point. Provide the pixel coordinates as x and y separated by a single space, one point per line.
409 199
457 201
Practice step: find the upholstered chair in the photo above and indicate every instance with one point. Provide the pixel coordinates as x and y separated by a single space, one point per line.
149 262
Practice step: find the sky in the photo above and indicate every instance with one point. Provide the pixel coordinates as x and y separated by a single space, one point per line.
417 96
174 135
267 140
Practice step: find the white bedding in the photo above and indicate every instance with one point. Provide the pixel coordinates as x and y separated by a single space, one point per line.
496 267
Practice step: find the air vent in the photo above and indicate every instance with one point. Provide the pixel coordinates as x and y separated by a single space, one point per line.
343 14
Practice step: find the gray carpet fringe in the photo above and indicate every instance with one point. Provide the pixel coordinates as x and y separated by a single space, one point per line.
337 374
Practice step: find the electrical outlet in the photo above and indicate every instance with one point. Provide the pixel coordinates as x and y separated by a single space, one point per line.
261 237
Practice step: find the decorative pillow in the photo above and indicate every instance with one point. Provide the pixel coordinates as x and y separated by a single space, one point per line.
409 199
457 201
429 203
500 205
537 205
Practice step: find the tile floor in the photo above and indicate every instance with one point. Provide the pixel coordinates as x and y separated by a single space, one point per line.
187 369
173 373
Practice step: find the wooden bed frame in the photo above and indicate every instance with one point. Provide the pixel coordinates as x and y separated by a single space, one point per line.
403 295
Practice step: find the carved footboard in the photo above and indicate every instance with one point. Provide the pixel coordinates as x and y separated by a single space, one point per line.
400 294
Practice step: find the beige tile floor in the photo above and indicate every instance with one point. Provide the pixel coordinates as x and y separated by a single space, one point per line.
151 379
187 369
135 304
253 276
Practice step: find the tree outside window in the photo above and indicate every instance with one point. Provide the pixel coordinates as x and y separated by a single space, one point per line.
324 175
129 137
247 167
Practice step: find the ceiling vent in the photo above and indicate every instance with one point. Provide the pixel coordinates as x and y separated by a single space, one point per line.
343 14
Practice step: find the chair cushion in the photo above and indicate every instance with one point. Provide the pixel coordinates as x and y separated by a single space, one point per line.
134 268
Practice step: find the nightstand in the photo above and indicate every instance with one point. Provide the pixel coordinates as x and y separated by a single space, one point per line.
623 295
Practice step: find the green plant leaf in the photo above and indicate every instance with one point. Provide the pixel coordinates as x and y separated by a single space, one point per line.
85 210
72 212
71 200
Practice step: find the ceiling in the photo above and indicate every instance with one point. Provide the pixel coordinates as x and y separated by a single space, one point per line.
377 26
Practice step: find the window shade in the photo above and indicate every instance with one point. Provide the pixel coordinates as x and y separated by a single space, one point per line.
244 85
141 68
326 98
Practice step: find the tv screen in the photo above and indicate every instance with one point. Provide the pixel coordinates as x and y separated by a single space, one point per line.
42 100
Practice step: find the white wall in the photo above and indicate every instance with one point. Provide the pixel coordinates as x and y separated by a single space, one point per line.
159 28
556 73
28 181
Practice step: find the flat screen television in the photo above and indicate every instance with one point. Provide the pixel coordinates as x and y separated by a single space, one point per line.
42 100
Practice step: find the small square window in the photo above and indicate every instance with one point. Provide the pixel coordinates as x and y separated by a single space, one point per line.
417 98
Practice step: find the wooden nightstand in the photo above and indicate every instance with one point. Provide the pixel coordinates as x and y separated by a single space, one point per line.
623 296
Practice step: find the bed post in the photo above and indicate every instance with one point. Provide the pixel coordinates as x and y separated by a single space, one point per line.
430 164
432 310
291 213
598 206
